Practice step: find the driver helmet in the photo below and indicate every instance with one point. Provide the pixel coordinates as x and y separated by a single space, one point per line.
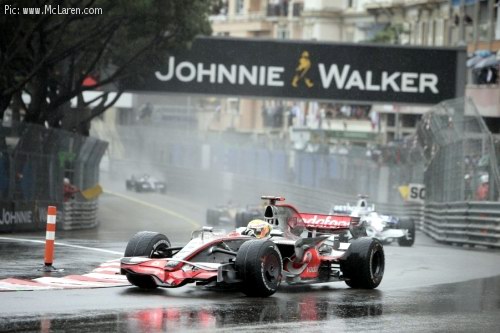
260 228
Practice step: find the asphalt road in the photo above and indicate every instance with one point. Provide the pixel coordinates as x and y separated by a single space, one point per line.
428 287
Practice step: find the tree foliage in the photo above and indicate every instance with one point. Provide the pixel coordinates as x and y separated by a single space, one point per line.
391 34
48 56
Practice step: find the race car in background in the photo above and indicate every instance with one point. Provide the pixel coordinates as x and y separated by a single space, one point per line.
232 215
385 228
301 248
145 183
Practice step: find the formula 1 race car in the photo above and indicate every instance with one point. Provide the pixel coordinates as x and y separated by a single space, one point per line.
301 248
230 215
385 228
146 183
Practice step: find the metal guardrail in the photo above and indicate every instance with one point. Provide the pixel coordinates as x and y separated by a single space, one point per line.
464 223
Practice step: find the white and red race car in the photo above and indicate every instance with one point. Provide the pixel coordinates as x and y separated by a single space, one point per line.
385 228
301 248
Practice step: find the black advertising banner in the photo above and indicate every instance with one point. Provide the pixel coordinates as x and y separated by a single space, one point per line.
310 70
16 217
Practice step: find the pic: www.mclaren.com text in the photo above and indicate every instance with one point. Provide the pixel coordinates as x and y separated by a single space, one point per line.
49 10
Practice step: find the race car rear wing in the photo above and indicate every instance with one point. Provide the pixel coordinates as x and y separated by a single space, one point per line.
330 223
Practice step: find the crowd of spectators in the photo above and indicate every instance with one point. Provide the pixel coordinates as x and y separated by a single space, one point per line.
476 179
302 115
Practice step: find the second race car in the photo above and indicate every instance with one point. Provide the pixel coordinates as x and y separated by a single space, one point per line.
287 246
385 228
231 215
146 183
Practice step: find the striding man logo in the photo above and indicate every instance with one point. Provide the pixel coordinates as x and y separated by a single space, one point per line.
301 71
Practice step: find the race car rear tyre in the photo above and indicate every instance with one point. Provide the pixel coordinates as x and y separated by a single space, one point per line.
365 263
149 244
212 217
239 220
242 218
259 266
408 240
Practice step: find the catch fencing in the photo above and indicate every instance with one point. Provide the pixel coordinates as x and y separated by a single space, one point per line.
460 153
32 173
461 175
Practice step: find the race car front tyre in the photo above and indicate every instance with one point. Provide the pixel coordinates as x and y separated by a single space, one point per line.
409 239
259 266
147 243
365 263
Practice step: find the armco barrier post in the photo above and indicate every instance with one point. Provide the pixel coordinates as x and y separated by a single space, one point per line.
50 237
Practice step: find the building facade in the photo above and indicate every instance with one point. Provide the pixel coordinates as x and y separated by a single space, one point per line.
439 23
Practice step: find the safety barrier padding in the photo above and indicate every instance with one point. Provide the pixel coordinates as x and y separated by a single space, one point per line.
79 215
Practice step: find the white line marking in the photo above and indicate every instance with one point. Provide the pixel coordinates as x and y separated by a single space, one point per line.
61 244
65 283
164 210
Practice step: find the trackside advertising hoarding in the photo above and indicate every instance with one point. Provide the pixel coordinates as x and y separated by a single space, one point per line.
311 70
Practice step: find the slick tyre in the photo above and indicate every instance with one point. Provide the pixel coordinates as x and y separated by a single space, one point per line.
259 266
409 239
212 217
242 218
146 244
363 268
239 221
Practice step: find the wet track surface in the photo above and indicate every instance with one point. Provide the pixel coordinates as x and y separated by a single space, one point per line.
460 307
429 287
